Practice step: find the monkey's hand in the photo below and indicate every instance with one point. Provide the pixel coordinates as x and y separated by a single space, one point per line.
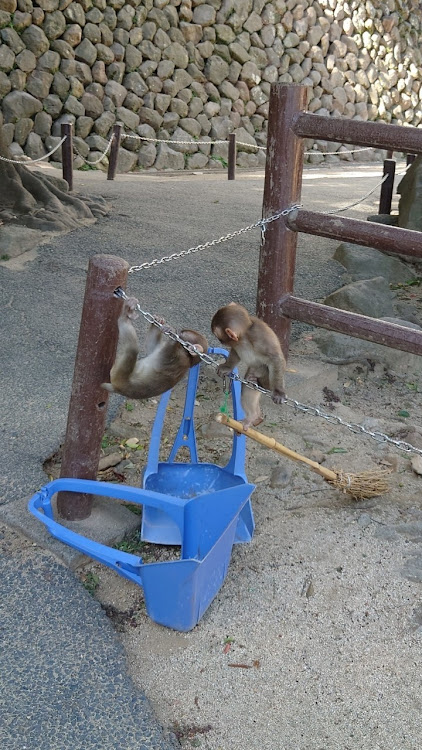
278 396
129 308
224 369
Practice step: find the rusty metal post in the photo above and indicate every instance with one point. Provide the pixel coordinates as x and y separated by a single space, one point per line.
282 188
94 358
410 158
369 233
114 152
67 153
386 193
372 134
231 173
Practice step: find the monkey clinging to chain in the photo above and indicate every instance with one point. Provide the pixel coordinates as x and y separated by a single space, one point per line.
254 344
165 363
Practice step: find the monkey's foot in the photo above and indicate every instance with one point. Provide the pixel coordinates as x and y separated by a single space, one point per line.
278 397
252 422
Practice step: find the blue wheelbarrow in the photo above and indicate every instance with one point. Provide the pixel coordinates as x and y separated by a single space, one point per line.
202 507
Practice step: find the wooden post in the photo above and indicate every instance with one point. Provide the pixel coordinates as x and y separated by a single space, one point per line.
114 152
282 188
67 153
231 173
94 358
386 192
410 158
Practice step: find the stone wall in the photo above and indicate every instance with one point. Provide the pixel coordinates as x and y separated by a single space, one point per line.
194 71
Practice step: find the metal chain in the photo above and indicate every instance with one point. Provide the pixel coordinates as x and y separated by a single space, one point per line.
262 223
34 161
191 348
379 437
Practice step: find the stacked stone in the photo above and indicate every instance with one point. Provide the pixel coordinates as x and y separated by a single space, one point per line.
191 71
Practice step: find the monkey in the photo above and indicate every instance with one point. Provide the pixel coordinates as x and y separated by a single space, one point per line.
254 344
165 363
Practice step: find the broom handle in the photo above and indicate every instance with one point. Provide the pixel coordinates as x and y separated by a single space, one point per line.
269 442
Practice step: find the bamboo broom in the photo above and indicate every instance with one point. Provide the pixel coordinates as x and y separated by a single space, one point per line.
363 485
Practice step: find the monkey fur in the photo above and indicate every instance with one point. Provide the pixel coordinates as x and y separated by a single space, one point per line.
165 363
254 344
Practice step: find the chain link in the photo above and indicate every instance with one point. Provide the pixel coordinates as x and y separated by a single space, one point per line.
357 429
262 224
191 348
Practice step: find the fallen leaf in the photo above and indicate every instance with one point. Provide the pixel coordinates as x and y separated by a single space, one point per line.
132 442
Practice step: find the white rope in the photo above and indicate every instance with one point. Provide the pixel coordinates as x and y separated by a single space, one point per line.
250 145
97 161
238 143
34 161
339 153
356 203
162 140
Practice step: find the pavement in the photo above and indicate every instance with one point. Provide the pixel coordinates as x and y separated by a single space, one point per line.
65 683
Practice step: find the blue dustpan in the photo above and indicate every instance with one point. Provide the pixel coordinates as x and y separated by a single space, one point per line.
192 479
178 592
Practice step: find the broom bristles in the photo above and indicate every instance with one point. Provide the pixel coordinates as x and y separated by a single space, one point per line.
362 486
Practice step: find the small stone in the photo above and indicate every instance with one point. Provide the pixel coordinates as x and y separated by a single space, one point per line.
280 477
111 460
364 520
416 463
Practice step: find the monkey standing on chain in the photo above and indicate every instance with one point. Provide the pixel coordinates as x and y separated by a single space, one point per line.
254 344
166 361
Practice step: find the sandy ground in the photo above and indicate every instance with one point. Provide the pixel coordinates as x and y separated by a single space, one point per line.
314 640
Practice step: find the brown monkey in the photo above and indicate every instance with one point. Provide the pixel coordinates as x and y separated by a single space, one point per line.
254 344
165 363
